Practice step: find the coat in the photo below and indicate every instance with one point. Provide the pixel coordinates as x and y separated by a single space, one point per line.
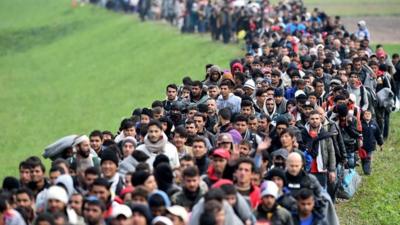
371 135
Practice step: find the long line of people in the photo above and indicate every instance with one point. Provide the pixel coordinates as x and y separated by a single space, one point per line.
261 142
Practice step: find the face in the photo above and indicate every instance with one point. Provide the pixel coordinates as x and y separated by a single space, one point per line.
286 140
95 142
25 175
319 88
154 134
101 192
53 176
246 110
367 115
305 206
220 217
263 124
199 149
270 105
23 200
255 179
225 91
37 174
55 205
243 173
268 201
144 119
84 149
248 91
150 184
121 220
315 120
353 79
138 219
196 91
128 149
231 199
185 164
241 126
212 106
158 211
244 150
175 220
357 65
171 94
89 179
253 125
219 164
76 203
191 129
179 141
280 128
109 169
200 123
191 183
278 181
274 79
294 166
92 214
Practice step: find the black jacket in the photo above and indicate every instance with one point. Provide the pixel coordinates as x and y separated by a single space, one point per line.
371 135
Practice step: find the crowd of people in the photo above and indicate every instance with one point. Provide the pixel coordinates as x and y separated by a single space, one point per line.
264 141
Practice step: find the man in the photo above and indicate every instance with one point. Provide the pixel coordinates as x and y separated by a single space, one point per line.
240 124
261 95
172 96
227 99
319 74
244 171
109 169
38 180
128 129
320 91
213 92
219 161
83 158
269 211
192 190
212 115
93 210
305 213
8 215
57 202
101 189
200 121
26 201
76 203
200 154
121 215
156 142
246 108
270 108
280 101
357 88
96 141
319 143
54 173
178 215
179 139
197 95
24 173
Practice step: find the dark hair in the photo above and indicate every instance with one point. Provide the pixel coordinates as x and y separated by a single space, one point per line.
200 115
187 157
229 189
92 170
260 92
227 82
157 103
96 133
225 113
140 191
246 103
107 132
126 124
304 193
181 131
240 118
200 139
34 161
197 83
26 191
155 123
173 86
191 171
60 161
317 80
245 160
287 131
57 168
214 194
24 165
44 217
102 182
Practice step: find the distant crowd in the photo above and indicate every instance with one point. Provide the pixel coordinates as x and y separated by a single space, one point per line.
268 139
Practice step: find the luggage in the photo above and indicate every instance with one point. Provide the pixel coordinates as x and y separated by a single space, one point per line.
349 183
56 149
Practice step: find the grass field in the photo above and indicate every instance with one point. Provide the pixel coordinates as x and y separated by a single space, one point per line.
65 71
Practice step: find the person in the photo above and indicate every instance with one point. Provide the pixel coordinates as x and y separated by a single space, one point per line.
140 214
38 180
93 209
101 189
57 202
197 94
84 157
217 166
156 142
319 143
244 169
121 215
9 215
145 179
109 170
269 210
227 99
178 215
128 146
200 154
172 96
96 141
192 191
76 203
180 137
372 136
24 173
305 214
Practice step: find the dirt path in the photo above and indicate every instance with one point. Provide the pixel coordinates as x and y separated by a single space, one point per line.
384 29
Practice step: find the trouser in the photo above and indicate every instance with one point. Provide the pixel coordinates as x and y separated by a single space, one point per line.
351 160
366 164
323 179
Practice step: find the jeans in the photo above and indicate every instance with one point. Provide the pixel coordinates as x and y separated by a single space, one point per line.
366 164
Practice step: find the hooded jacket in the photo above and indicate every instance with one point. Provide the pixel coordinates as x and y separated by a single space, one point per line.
230 217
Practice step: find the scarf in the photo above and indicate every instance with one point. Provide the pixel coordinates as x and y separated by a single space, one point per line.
156 147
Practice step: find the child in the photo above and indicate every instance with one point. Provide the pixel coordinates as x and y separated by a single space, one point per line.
371 136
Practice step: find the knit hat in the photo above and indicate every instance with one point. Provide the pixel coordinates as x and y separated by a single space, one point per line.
139 177
163 195
129 139
270 188
250 84
180 212
143 210
57 193
109 155
276 172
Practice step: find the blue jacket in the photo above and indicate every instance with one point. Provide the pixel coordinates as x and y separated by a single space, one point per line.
371 135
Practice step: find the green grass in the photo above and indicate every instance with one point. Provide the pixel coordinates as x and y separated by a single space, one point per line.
65 71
